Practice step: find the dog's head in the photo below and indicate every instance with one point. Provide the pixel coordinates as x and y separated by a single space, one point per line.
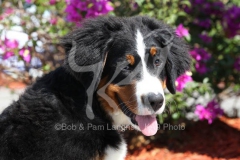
136 59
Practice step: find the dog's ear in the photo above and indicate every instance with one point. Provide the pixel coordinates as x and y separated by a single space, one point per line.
178 58
87 47
178 62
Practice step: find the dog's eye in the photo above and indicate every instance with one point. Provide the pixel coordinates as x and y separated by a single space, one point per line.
157 62
126 68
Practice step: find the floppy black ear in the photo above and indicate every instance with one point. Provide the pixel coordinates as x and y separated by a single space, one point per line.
178 62
163 36
178 58
87 49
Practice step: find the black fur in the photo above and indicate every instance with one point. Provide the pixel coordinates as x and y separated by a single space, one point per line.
27 127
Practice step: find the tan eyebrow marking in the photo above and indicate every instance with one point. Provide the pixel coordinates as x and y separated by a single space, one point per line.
130 59
153 51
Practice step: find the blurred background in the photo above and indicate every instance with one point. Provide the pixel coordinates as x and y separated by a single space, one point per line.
201 121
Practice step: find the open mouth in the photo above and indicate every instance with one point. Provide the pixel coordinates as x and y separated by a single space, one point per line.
147 123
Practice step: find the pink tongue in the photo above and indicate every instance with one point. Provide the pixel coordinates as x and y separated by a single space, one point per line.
147 124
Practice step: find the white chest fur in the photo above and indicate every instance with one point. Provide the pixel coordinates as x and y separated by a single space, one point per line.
116 154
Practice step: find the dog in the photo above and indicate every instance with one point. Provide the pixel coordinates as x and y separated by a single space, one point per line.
114 75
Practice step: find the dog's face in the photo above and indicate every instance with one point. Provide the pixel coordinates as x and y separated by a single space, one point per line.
138 63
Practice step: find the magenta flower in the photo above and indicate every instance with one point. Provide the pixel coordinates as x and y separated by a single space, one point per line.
52 2
25 53
210 112
201 56
182 80
72 14
90 9
7 55
205 38
11 43
181 31
237 64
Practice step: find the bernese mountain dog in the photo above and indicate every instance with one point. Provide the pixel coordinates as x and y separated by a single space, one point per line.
114 76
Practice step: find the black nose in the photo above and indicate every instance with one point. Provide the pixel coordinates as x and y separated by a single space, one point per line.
155 100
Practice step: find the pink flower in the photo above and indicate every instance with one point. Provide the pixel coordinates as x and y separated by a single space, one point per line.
181 31
52 2
183 80
2 48
9 11
11 43
29 1
53 21
210 112
25 53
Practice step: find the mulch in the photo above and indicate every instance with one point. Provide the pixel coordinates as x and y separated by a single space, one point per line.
11 83
198 141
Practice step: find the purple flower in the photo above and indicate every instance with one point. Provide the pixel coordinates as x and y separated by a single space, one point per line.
205 23
200 54
231 21
25 53
181 31
183 80
205 38
201 67
205 7
217 9
237 64
210 112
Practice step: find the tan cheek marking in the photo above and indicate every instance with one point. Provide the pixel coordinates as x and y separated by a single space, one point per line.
103 102
125 93
130 59
164 83
153 51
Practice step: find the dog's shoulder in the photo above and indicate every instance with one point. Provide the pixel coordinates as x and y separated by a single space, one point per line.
49 122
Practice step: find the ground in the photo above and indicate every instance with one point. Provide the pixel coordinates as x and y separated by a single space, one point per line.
199 141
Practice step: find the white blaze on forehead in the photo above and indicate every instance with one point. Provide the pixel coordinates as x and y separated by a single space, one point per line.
148 83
